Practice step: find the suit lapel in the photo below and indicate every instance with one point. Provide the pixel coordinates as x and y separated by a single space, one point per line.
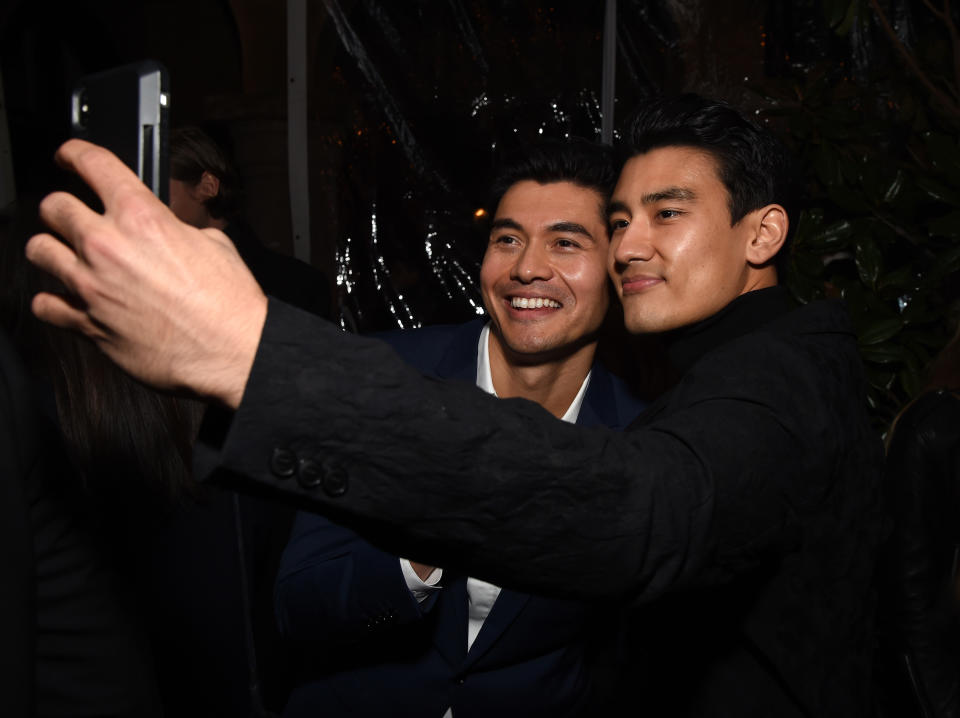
459 360
599 407
450 635
506 608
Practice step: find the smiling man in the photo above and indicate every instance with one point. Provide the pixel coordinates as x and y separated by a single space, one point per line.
683 248
438 642
738 517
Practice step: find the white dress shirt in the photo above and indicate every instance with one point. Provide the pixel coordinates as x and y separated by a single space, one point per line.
481 595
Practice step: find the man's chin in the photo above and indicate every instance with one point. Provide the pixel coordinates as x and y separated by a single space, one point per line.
649 323
542 352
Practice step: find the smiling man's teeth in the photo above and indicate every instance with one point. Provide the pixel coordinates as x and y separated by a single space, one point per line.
533 303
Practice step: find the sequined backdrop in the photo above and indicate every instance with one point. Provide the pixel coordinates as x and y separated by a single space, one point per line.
448 89
434 94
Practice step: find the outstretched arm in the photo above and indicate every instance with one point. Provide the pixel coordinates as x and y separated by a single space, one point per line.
442 473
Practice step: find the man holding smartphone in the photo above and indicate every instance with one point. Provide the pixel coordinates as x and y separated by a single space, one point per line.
757 476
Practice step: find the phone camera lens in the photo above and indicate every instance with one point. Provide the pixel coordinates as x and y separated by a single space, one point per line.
81 111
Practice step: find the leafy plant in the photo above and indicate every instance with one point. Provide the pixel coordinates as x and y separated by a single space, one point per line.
881 226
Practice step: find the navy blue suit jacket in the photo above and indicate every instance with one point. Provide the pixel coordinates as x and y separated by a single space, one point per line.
379 652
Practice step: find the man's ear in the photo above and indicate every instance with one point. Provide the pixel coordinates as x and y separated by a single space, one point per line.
208 187
770 225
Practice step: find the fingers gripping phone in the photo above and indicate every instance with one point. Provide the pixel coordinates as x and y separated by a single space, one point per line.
126 109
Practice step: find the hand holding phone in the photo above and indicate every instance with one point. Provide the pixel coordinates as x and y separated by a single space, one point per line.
126 109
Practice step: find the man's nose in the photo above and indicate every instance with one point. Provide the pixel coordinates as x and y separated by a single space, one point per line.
632 244
532 264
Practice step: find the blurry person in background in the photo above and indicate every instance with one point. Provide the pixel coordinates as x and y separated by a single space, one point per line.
205 192
85 451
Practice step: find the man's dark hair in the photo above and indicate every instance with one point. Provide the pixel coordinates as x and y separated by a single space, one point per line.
193 152
583 163
754 166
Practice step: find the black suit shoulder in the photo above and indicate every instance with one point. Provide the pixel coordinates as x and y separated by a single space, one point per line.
427 348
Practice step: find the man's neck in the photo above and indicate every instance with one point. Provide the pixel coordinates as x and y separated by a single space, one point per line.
217 223
552 383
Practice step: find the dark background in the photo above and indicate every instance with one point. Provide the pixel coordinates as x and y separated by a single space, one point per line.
411 104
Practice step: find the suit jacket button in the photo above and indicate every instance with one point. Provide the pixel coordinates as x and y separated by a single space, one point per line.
283 463
309 474
335 482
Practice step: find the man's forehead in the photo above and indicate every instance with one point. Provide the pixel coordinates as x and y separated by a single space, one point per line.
672 172
563 200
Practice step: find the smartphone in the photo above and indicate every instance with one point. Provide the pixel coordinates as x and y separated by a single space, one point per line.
126 109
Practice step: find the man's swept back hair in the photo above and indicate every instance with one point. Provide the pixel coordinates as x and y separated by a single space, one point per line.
193 152
583 163
754 166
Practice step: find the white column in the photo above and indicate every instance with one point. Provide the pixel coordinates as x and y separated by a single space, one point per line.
297 151
608 85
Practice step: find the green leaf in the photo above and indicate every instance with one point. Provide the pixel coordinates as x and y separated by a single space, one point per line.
946 226
937 191
868 259
911 361
944 153
899 278
850 201
944 263
839 15
882 354
877 174
851 170
911 381
893 189
832 237
950 259
808 264
917 311
825 164
879 331
882 379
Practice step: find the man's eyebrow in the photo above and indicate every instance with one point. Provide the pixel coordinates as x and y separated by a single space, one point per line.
561 226
616 206
570 228
683 194
506 223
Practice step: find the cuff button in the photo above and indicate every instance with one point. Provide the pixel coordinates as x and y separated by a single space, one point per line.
335 483
309 474
283 463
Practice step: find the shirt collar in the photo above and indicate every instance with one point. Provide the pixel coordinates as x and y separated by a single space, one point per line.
485 378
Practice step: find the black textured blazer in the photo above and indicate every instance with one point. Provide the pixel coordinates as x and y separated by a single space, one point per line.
749 495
